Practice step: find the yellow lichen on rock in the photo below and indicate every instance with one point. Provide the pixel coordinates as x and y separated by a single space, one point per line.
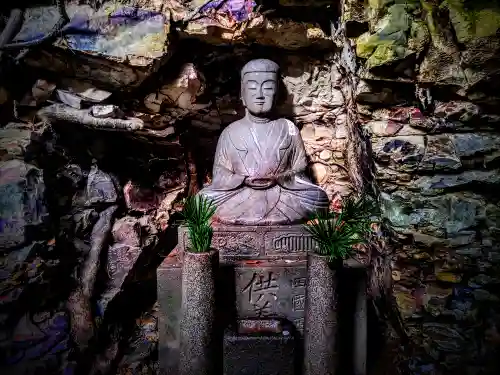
395 37
474 20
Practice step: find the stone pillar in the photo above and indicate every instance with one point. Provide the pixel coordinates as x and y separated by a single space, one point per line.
321 317
360 327
198 313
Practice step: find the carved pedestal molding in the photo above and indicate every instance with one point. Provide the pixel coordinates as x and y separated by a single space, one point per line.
321 317
197 313
246 242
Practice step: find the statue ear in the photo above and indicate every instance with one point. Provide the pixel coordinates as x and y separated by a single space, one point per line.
242 95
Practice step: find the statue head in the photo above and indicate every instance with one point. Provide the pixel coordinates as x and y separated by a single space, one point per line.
259 86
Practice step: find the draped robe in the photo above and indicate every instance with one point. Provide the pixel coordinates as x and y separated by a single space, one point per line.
248 149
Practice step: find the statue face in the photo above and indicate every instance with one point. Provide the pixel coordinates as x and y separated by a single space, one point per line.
258 92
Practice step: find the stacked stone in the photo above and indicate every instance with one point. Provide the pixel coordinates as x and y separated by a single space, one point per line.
26 265
23 212
437 175
422 99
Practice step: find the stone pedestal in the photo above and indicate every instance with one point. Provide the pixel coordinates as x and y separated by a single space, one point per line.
262 275
196 327
321 317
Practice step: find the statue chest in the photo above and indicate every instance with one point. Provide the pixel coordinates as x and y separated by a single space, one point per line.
263 149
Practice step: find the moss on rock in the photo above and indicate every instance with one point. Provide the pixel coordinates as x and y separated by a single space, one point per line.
419 37
473 19
396 36
367 43
385 54
396 19
379 4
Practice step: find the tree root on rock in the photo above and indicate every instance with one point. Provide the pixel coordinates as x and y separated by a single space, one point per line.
81 321
12 27
61 112
79 303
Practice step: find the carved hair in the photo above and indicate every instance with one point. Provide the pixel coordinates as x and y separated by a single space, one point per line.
260 65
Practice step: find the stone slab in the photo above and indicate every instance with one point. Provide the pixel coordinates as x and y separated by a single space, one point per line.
125 50
106 73
259 354
271 289
169 300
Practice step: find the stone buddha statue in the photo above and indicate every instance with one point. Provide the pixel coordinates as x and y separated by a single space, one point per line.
259 169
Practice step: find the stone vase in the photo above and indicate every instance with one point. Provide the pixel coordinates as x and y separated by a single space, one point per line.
198 313
320 326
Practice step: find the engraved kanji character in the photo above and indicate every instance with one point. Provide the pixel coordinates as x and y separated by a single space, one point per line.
299 302
299 282
262 293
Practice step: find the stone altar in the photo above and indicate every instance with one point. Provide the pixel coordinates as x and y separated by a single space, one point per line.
262 275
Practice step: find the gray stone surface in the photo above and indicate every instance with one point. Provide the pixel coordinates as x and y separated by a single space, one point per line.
271 289
169 283
472 144
22 203
198 313
360 328
437 184
259 174
321 317
259 353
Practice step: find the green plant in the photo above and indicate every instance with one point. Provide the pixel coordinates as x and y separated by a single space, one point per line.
196 214
336 233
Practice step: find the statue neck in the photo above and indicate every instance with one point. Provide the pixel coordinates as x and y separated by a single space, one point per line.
257 120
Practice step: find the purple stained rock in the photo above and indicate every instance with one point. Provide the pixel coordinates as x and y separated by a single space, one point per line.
131 16
59 322
69 369
462 293
137 14
239 10
54 340
395 144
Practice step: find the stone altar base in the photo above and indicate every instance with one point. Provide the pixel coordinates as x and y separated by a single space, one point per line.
262 275
274 341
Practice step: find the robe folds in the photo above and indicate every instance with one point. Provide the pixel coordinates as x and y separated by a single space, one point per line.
248 149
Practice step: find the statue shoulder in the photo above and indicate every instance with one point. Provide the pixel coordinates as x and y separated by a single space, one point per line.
235 134
290 127
235 127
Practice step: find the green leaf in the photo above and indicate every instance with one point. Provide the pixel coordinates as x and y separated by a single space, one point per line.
197 213
337 233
